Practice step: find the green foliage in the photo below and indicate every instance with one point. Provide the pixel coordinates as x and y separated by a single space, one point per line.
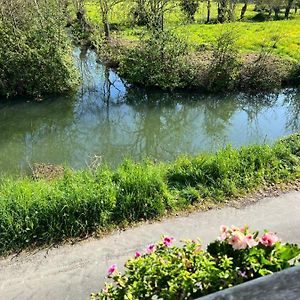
35 212
141 187
35 50
190 7
158 61
225 64
189 272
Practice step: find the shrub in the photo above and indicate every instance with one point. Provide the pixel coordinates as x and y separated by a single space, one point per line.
262 74
35 50
158 61
225 64
165 271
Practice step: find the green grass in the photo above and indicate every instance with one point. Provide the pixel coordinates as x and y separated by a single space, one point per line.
251 35
37 212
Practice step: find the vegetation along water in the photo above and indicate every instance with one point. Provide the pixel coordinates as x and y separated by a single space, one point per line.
85 84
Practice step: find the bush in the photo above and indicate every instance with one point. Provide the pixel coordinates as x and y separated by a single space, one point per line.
261 74
35 50
225 64
36 212
158 61
165 271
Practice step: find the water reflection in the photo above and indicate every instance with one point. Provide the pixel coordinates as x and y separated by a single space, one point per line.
108 119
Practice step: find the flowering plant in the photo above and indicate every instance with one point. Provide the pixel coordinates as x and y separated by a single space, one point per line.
168 271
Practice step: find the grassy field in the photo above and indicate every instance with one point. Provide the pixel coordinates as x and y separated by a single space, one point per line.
37 212
251 36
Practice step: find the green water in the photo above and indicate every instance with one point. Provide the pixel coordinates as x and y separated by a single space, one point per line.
111 121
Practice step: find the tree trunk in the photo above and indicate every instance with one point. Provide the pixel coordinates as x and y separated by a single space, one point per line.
244 9
270 12
106 29
104 13
276 11
288 9
208 11
222 11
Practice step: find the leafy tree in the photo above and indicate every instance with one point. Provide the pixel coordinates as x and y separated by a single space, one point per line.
35 50
105 8
190 7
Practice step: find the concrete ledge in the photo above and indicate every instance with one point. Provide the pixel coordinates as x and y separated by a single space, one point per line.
284 285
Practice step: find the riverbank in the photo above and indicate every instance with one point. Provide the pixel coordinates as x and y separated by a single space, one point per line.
79 204
252 55
74 271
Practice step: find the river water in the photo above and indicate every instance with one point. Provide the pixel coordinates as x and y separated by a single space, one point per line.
107 120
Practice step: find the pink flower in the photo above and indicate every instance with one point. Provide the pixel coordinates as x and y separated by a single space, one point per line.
238 241
234 228
112 269
269 239
168 241
250 241
151 248
137 254
223 232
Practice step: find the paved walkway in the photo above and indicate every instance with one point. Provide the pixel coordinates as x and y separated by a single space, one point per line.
72 272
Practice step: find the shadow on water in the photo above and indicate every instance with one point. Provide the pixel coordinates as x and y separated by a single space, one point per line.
108 118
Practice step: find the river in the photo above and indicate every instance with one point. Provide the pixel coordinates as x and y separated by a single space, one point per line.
107 120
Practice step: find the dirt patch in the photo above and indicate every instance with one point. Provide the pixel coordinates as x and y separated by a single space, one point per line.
47 171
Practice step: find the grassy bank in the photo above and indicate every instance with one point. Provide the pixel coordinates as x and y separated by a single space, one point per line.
253 33
37 212
266 51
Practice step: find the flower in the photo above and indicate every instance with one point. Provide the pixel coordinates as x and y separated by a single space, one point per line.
137 254
234 228
168 241
238 241
250 241
269 239
151 248
242 274
112 269
223 232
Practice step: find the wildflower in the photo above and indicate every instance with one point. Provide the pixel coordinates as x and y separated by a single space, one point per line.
168 241
137 254
112 269
151 248
269 239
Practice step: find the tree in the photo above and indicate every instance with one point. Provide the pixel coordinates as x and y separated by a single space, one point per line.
35 50
190 7
208 11
288 8
244 9
105 8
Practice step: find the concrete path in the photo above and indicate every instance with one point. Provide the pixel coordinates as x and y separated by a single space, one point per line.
73 272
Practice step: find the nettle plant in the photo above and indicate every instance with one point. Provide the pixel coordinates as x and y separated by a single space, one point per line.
167 271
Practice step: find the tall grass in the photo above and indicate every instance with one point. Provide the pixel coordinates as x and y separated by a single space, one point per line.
36 212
